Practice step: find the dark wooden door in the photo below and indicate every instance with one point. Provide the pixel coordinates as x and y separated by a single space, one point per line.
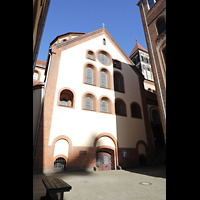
103 161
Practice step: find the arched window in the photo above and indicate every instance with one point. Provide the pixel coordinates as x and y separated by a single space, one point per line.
103 79
105 105
118 82
120 107
66 98
160 25
88 103
90 55
89 75
136 111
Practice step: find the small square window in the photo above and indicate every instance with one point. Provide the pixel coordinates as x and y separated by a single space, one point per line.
82 152
125 154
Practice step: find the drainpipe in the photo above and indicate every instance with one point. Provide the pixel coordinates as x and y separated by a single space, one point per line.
45 83
153 60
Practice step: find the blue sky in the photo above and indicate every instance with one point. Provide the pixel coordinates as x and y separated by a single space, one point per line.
121 18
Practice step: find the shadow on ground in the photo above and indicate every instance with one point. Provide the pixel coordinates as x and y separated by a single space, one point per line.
157 171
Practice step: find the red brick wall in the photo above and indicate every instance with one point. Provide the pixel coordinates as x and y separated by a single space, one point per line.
158 10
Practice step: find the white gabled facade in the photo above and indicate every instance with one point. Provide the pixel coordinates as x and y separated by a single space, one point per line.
77 134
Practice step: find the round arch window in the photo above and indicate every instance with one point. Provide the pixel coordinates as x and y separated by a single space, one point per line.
104 58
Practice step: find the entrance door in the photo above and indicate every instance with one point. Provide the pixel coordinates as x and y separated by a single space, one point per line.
103 161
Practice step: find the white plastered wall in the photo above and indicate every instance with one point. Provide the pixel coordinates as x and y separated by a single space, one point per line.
83 126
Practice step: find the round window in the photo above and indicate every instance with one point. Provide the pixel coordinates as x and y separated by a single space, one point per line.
104 58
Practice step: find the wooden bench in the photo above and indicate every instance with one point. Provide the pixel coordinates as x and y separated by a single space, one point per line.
54 186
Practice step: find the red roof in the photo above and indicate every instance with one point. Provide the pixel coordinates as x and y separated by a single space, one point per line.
41 62
136 47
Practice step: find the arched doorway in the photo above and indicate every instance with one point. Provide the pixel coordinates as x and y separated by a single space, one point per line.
141 147
106 152
60 164
62 148
103 161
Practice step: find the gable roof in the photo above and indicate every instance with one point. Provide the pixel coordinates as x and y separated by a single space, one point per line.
66 34
85 37
136 47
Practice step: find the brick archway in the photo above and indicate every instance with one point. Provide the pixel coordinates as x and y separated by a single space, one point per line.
61 137
115 143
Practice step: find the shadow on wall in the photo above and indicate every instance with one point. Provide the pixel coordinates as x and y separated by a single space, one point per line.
131 116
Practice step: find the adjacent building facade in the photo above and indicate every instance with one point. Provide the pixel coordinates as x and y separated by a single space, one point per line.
95 114
40 10
153 14
139 55
38 94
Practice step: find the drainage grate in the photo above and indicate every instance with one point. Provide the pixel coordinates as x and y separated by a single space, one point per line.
145 183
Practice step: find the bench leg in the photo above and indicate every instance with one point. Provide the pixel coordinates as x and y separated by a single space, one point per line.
51 196
61 195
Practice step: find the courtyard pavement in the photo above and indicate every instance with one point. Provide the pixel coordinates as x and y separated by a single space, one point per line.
144 183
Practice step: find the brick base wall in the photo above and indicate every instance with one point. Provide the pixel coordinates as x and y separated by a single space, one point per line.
84 158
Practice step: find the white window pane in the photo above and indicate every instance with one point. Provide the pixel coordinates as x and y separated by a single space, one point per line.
88 75
103 79
88 103
103 106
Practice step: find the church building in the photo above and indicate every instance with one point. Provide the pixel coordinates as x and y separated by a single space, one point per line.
94 114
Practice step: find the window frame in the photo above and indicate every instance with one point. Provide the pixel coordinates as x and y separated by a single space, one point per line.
123 107
94 101
90 52
69 95
88 101
88 76
94 73
121 82
160 29
138 113
98 52
148 4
